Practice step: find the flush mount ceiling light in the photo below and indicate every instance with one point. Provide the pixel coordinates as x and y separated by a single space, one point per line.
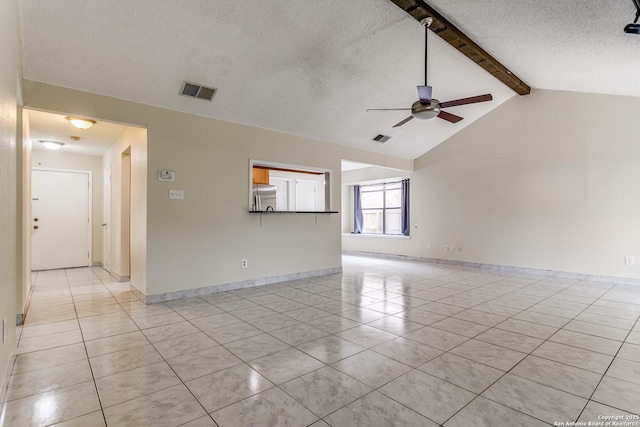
81 123
635 27
52 145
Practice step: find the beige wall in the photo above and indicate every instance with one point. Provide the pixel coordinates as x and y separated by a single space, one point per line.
200 241
128 251
61 160
545 181
9 92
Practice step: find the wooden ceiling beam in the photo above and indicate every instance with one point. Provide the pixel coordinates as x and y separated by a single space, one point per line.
420 10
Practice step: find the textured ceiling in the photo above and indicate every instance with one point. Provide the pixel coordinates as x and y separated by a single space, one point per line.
312 68
573 45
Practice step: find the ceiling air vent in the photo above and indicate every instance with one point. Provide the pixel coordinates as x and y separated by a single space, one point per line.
198 91
382 138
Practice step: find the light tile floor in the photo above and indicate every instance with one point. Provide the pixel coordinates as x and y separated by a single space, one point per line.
385 343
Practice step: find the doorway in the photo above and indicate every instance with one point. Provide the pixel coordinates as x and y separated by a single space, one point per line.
106 220
61 218
306 199
282 193
125 214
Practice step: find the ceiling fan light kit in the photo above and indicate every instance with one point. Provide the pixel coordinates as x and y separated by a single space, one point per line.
632 29
635 27
426 107
425 111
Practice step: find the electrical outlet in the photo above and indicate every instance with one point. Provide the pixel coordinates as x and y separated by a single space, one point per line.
428 245
459 248
446 247
244 263
629 260
176 194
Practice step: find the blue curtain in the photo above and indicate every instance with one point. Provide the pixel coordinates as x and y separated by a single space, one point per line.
405 207
357 210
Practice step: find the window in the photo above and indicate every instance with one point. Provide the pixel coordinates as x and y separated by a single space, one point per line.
382 208
279 187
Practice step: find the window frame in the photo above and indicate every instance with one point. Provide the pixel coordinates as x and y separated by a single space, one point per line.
397 185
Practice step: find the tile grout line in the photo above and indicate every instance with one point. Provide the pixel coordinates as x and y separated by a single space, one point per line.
163 359
328 365
612 359
84 344
294 347
606 370
469 308
361 323
85 352
539 302
505 373
223 346
119 303
116 300
573 318
412 368
546 340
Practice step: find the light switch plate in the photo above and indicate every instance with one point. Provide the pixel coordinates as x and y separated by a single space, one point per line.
176 194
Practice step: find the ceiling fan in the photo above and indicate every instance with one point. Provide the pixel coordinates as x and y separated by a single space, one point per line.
427 107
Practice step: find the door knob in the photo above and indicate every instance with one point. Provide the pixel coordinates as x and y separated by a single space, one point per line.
35 227
104 225
35 219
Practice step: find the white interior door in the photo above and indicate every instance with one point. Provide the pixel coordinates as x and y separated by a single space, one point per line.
61 223
282 193
106 220
306 195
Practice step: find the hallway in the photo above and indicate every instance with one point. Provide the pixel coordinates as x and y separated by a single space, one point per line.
386 342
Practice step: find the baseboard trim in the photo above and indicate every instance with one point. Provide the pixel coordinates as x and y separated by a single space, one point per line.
505 268
207 290
118 277
96 264
21 317
138 293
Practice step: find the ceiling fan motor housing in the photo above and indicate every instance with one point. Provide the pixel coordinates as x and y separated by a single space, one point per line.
425 111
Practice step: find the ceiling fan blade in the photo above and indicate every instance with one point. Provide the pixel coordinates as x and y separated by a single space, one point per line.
388 109
449 117
403 122
424 93
465 101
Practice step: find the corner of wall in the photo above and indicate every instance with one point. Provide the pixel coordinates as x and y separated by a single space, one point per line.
10 73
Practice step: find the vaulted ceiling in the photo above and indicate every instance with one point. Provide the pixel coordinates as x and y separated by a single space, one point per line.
313 68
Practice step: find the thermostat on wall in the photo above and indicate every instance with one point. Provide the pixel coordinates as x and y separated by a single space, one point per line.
166 175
